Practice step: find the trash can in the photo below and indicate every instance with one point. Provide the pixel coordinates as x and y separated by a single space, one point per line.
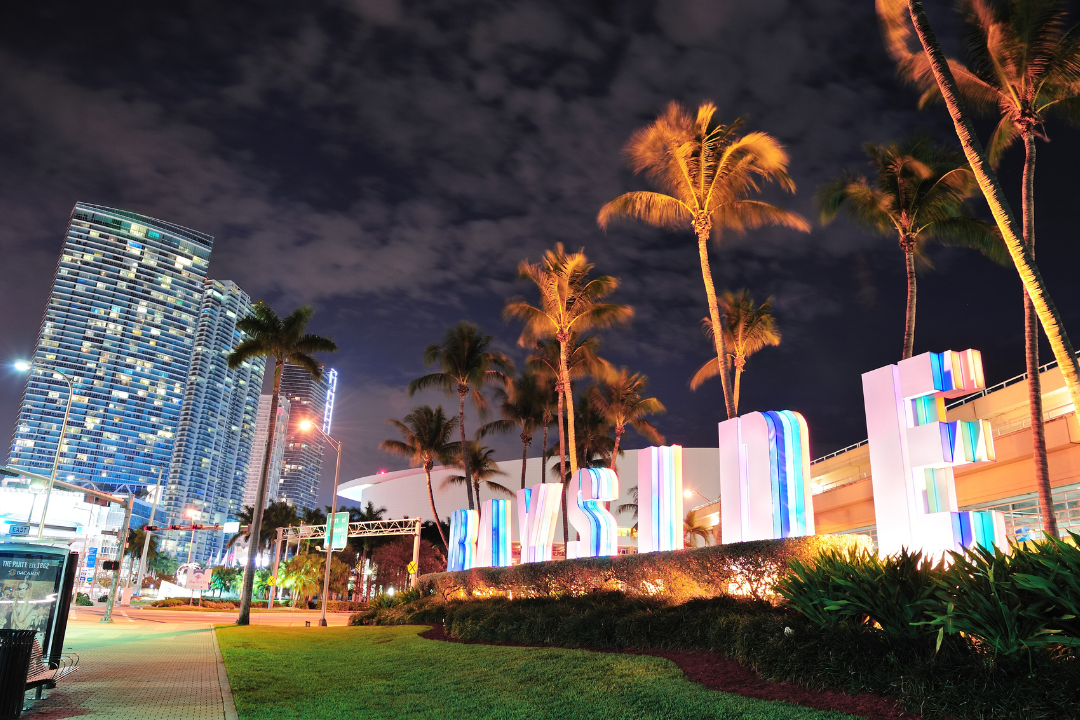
16 646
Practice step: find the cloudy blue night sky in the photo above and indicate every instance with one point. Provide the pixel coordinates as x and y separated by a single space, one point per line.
391 162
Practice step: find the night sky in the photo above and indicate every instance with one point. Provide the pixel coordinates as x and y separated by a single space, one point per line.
391 162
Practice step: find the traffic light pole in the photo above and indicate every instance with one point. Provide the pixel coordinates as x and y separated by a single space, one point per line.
274 574
146 536
121 544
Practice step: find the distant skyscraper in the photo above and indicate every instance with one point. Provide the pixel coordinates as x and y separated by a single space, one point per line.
258 450
209 466
313 400
120 323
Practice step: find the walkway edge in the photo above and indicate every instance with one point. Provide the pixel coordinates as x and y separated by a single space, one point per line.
223 680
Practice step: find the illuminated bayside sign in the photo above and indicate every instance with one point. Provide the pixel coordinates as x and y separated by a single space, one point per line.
765 490
538 509
660 499
493 538
597 528
913 451
464 528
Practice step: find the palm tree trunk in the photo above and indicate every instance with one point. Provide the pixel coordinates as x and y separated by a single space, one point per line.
714 318
619 430
564 338
462 391
739 364
1021 255
1031 356
562 459
909 317
543 449
254 540
525 440
431 499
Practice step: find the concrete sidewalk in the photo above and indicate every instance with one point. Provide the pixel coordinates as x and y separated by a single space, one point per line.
148 670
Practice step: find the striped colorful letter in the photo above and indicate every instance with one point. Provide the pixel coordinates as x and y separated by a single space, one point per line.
585 510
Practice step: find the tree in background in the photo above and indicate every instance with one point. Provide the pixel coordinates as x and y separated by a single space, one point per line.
467 363
425 440
707 174
370 513
278 514
919 193
1023 65
693 528
482 461
392 560
898 19
619 401
523 406
596 444
570 303
748 329
285 340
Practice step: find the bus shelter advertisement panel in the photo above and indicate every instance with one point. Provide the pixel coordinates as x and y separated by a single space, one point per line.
29 586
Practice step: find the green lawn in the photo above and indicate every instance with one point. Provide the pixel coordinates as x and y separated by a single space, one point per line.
391 672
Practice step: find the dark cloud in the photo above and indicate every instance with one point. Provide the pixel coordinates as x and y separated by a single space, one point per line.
393 161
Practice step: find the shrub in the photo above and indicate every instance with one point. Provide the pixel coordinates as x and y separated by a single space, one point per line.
345 606
169 602
741 569
82 599
103 598
895 593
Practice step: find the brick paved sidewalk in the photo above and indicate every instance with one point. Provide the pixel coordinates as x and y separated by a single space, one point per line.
144 670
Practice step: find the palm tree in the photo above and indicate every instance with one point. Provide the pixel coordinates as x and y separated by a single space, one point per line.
707 173
1024 65
569 303
466 364
136 538
369 514
747 329
425 440
523 406
895 15
278 514
268 335
619 400
596 446
919 193
582 359
481 460
692 528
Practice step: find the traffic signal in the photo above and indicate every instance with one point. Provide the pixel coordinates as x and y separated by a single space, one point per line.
110 565
176 527
196 527
95 500
151 528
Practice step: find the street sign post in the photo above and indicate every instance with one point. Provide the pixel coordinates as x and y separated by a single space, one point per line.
341 531
20 530
91 558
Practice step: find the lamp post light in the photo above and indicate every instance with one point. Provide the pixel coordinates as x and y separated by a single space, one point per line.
25 366
307 425
687 493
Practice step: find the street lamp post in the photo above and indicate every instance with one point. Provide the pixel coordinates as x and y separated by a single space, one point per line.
687 492
25 367
305 425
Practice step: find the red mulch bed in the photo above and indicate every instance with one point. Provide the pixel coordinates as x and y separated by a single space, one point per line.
717 672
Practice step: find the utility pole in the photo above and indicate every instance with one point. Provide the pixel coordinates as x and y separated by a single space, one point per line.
146 533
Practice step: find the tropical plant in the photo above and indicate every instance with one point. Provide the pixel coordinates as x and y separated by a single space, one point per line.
582 359
896 16
523 405
392 562
223 578
482 462
595 442
706 173
896 592
570 302
303 576
466 364
1024 65
747 329
693 528
285 340
618 399
370 513
425 440
919 193
278 514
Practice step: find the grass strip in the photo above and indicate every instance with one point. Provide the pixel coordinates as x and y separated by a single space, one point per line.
390 672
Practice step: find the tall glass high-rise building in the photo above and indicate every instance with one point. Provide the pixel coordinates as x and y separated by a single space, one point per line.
258 450
120 323
209 466
313 400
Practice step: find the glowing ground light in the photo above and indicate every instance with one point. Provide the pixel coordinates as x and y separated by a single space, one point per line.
913 450
585 510
493 538
538 509
765 490
660 499
464 528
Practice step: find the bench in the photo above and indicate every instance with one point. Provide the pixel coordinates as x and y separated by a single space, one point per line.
45 674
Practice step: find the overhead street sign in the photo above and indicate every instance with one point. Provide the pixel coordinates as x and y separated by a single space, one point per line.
341 531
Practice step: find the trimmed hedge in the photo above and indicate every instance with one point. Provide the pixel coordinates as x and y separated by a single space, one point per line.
737 569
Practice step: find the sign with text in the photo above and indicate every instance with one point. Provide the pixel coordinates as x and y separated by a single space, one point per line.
341 531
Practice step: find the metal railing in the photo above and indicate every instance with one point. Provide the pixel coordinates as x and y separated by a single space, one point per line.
373 528
841 451
848 480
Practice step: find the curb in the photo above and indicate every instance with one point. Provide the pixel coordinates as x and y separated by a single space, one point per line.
223 680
